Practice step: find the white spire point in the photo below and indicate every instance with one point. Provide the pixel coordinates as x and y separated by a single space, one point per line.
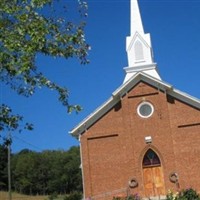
136 22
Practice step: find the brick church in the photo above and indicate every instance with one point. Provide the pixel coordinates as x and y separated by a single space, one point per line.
146 137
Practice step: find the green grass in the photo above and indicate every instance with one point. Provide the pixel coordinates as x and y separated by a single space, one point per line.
16 196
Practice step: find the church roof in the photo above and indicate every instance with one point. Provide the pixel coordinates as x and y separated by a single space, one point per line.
123 89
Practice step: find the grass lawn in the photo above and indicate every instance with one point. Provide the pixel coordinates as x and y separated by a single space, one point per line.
15 196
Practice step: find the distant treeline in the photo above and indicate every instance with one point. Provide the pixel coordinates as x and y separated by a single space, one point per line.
42 173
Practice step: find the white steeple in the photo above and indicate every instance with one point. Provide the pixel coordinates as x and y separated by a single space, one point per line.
136 22
138 47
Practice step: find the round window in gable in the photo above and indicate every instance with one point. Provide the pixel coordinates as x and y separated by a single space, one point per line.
145 110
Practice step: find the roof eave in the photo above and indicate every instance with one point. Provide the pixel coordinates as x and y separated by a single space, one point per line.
122 90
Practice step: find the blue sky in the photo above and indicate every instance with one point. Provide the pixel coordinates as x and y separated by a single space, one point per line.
174 26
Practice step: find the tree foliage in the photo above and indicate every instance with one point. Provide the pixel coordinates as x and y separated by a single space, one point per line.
10 122
32 27
46 172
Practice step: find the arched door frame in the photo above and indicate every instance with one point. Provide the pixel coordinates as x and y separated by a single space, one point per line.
155 150
144 151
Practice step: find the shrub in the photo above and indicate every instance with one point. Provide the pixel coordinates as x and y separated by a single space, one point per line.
171 196
118 198
185 194
53 196
131 197
189 194
74 196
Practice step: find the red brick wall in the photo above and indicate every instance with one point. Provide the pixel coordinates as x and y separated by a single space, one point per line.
113 148
186 140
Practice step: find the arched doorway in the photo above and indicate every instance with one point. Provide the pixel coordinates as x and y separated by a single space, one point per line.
152 174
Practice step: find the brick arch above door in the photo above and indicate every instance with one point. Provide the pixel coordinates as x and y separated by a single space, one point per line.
155 149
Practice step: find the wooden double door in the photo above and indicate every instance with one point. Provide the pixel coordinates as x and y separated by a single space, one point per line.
153 175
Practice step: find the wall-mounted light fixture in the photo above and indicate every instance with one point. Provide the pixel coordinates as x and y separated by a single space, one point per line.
148 139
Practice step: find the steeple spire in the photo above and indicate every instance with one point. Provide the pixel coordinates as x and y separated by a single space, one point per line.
136 22
138 47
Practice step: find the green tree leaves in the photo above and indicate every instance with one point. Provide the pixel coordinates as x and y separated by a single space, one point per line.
47 172
32 27
26 31
10 122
